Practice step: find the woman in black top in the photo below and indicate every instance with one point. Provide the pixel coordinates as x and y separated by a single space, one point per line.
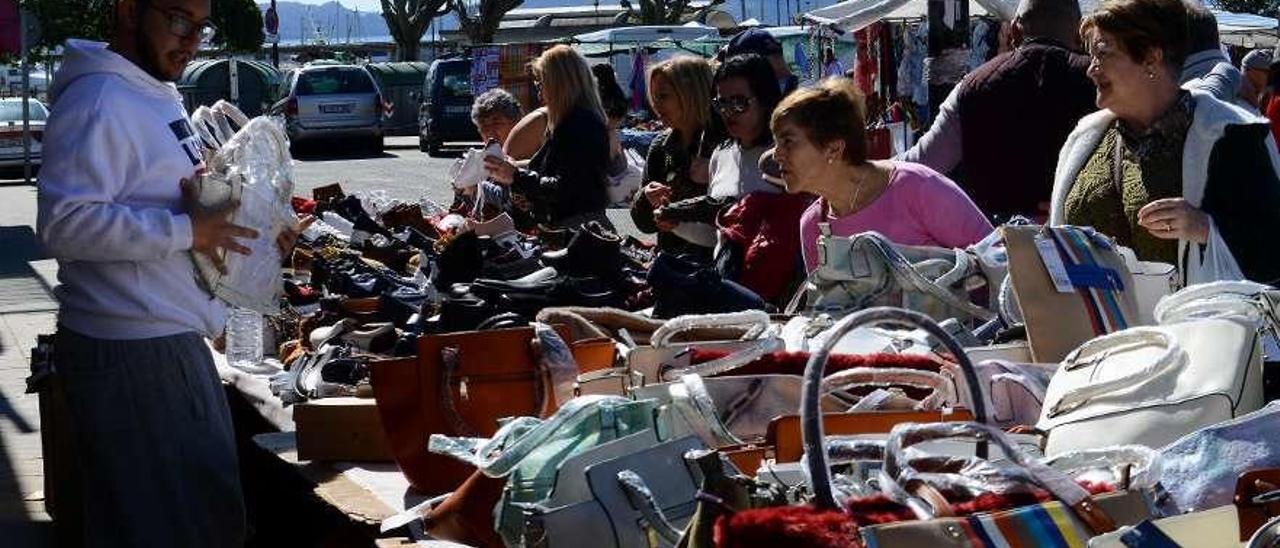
565 180
680 92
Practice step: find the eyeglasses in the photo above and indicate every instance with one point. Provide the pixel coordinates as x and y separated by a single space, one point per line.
730 106
185 28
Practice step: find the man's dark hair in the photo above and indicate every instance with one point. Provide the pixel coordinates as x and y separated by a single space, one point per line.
1203 28
1054 19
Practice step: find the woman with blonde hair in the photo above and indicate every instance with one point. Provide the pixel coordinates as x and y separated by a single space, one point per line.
565 181
680 94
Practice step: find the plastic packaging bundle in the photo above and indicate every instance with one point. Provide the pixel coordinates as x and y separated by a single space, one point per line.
251 165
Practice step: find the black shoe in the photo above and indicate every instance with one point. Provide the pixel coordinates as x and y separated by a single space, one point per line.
593 251
460 262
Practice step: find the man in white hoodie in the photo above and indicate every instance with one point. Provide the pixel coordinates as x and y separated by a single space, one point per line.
157 455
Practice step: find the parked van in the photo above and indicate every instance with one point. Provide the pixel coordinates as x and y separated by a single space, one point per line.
445 113
332 101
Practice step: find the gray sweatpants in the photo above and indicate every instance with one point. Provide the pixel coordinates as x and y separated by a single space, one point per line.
157 460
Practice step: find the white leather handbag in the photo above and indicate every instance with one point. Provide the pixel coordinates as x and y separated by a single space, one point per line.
1151 385
660 360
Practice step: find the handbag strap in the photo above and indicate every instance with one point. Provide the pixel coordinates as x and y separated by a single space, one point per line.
1223 299
815 458
642 499
693 402
720 366
908 276
555 359
757 322
1099 350
497 456
942 389
1062 487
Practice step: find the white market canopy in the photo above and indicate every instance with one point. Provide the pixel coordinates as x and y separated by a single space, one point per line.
1235 28
647 34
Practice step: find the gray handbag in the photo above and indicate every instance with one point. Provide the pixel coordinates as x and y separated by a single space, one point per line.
639 499
868 270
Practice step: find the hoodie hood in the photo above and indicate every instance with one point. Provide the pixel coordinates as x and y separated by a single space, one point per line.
84 57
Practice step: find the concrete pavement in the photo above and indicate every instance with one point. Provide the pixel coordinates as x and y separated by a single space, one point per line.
27 309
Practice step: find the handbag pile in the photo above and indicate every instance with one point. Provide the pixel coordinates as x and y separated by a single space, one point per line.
1041 388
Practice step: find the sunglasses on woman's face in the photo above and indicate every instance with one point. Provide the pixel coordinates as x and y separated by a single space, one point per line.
730 106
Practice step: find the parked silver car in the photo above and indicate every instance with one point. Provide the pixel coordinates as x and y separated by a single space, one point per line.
11 131
332 101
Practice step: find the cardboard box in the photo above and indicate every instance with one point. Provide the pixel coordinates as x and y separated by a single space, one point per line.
340 429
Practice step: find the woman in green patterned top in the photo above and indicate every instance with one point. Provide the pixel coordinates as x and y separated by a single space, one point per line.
1177 175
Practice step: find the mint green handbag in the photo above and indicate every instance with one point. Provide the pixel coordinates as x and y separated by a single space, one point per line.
529 451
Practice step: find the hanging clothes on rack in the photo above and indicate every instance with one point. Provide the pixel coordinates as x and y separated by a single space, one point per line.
802 61
866 66
888 63
638 85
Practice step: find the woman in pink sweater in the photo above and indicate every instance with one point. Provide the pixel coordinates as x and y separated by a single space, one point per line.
821 147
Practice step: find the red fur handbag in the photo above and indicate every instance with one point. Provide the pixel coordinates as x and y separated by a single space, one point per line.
913 512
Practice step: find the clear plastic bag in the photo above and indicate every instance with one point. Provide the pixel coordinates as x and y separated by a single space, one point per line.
252 167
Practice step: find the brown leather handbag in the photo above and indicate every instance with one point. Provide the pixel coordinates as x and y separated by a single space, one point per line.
460 384
1257 499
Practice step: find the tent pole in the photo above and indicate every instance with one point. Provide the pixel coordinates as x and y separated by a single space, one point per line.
26 101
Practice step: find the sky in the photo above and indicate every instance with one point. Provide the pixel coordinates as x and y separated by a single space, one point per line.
364 5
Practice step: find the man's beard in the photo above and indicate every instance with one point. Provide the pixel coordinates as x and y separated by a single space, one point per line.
149 59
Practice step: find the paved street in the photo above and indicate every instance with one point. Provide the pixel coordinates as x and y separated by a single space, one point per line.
402 170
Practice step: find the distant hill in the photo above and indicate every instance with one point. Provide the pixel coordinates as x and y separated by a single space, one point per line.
337 22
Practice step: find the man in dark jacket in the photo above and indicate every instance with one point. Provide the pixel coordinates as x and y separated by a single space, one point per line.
1006 121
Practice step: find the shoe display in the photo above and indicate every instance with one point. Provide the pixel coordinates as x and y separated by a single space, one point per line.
593 251
376 338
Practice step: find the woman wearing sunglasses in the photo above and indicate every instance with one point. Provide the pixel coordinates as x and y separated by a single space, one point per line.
759 230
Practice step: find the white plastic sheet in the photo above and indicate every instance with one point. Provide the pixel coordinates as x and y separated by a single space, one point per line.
250 165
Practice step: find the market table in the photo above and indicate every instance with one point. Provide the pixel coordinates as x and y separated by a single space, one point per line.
338 503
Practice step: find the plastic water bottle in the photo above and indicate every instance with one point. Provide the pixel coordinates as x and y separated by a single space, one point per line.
244 339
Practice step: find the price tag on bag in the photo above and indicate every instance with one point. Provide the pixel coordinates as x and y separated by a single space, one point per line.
1053 263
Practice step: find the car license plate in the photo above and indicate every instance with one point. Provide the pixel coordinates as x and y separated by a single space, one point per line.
341 108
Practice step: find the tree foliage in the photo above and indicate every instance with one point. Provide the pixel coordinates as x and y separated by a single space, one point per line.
665 12
408 21
239 22
479 19
1268 8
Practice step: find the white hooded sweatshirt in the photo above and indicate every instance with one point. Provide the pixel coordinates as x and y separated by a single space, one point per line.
117 143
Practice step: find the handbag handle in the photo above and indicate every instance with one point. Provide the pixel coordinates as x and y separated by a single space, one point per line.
815 458
1098 350
1223 299
693 402
496 457
1062 487
756 320
720 366
641 498
942 395
908 276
